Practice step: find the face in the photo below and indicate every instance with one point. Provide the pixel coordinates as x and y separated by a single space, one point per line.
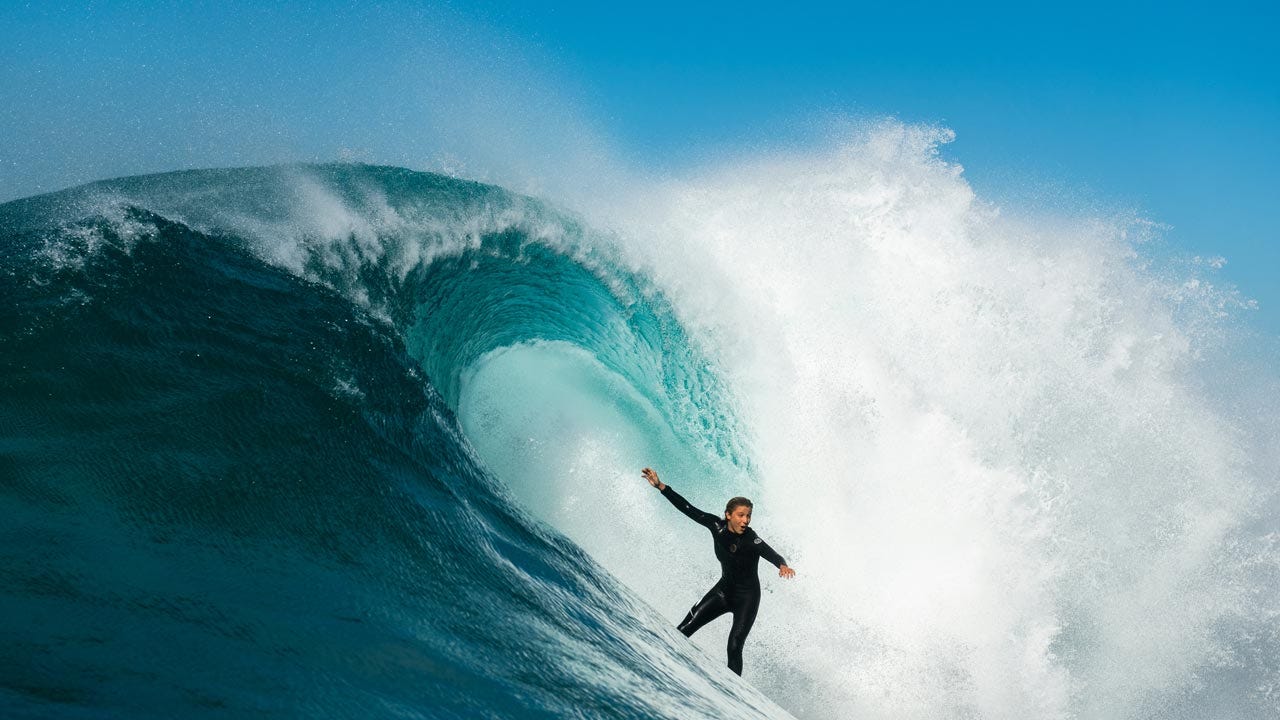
739 519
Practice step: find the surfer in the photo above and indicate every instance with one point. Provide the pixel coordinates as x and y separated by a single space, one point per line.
739 550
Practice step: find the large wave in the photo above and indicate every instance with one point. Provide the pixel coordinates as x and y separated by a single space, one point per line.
345 432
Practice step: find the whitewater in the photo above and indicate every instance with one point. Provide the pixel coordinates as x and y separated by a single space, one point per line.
350 441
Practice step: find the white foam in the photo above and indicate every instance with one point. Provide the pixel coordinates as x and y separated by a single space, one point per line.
981 435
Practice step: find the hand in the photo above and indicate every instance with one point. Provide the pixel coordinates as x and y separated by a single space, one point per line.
786 572
652 477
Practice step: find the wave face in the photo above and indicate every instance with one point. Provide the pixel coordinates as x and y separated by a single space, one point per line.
234 483
352 441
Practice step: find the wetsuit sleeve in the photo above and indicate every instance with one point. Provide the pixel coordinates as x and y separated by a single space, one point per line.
769 553
706 520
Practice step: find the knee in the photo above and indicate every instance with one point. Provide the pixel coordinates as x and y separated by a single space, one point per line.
736 641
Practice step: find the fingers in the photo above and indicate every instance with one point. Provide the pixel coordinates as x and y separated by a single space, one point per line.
652 477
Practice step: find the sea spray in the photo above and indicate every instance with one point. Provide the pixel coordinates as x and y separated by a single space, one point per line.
982 436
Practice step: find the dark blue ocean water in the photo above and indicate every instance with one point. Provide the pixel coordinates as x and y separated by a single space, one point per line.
232 483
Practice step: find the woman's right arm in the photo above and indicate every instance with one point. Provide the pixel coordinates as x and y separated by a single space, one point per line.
704 519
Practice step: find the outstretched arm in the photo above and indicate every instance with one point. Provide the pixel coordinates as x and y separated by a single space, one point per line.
704 519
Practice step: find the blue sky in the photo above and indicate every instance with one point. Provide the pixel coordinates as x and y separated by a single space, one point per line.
1171 110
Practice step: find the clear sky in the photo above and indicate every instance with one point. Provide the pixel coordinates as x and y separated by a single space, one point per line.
1172 110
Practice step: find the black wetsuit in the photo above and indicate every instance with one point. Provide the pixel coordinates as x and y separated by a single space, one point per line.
738 591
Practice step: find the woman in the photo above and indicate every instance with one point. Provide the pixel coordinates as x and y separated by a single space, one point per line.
739 550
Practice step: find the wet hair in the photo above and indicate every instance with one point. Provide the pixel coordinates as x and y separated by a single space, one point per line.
735 503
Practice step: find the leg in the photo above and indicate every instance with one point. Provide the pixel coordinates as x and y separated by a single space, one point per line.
711 606
744 616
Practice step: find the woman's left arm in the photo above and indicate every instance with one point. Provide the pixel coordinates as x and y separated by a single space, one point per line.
772 556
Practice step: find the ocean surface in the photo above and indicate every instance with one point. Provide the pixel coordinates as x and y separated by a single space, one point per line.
347 441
